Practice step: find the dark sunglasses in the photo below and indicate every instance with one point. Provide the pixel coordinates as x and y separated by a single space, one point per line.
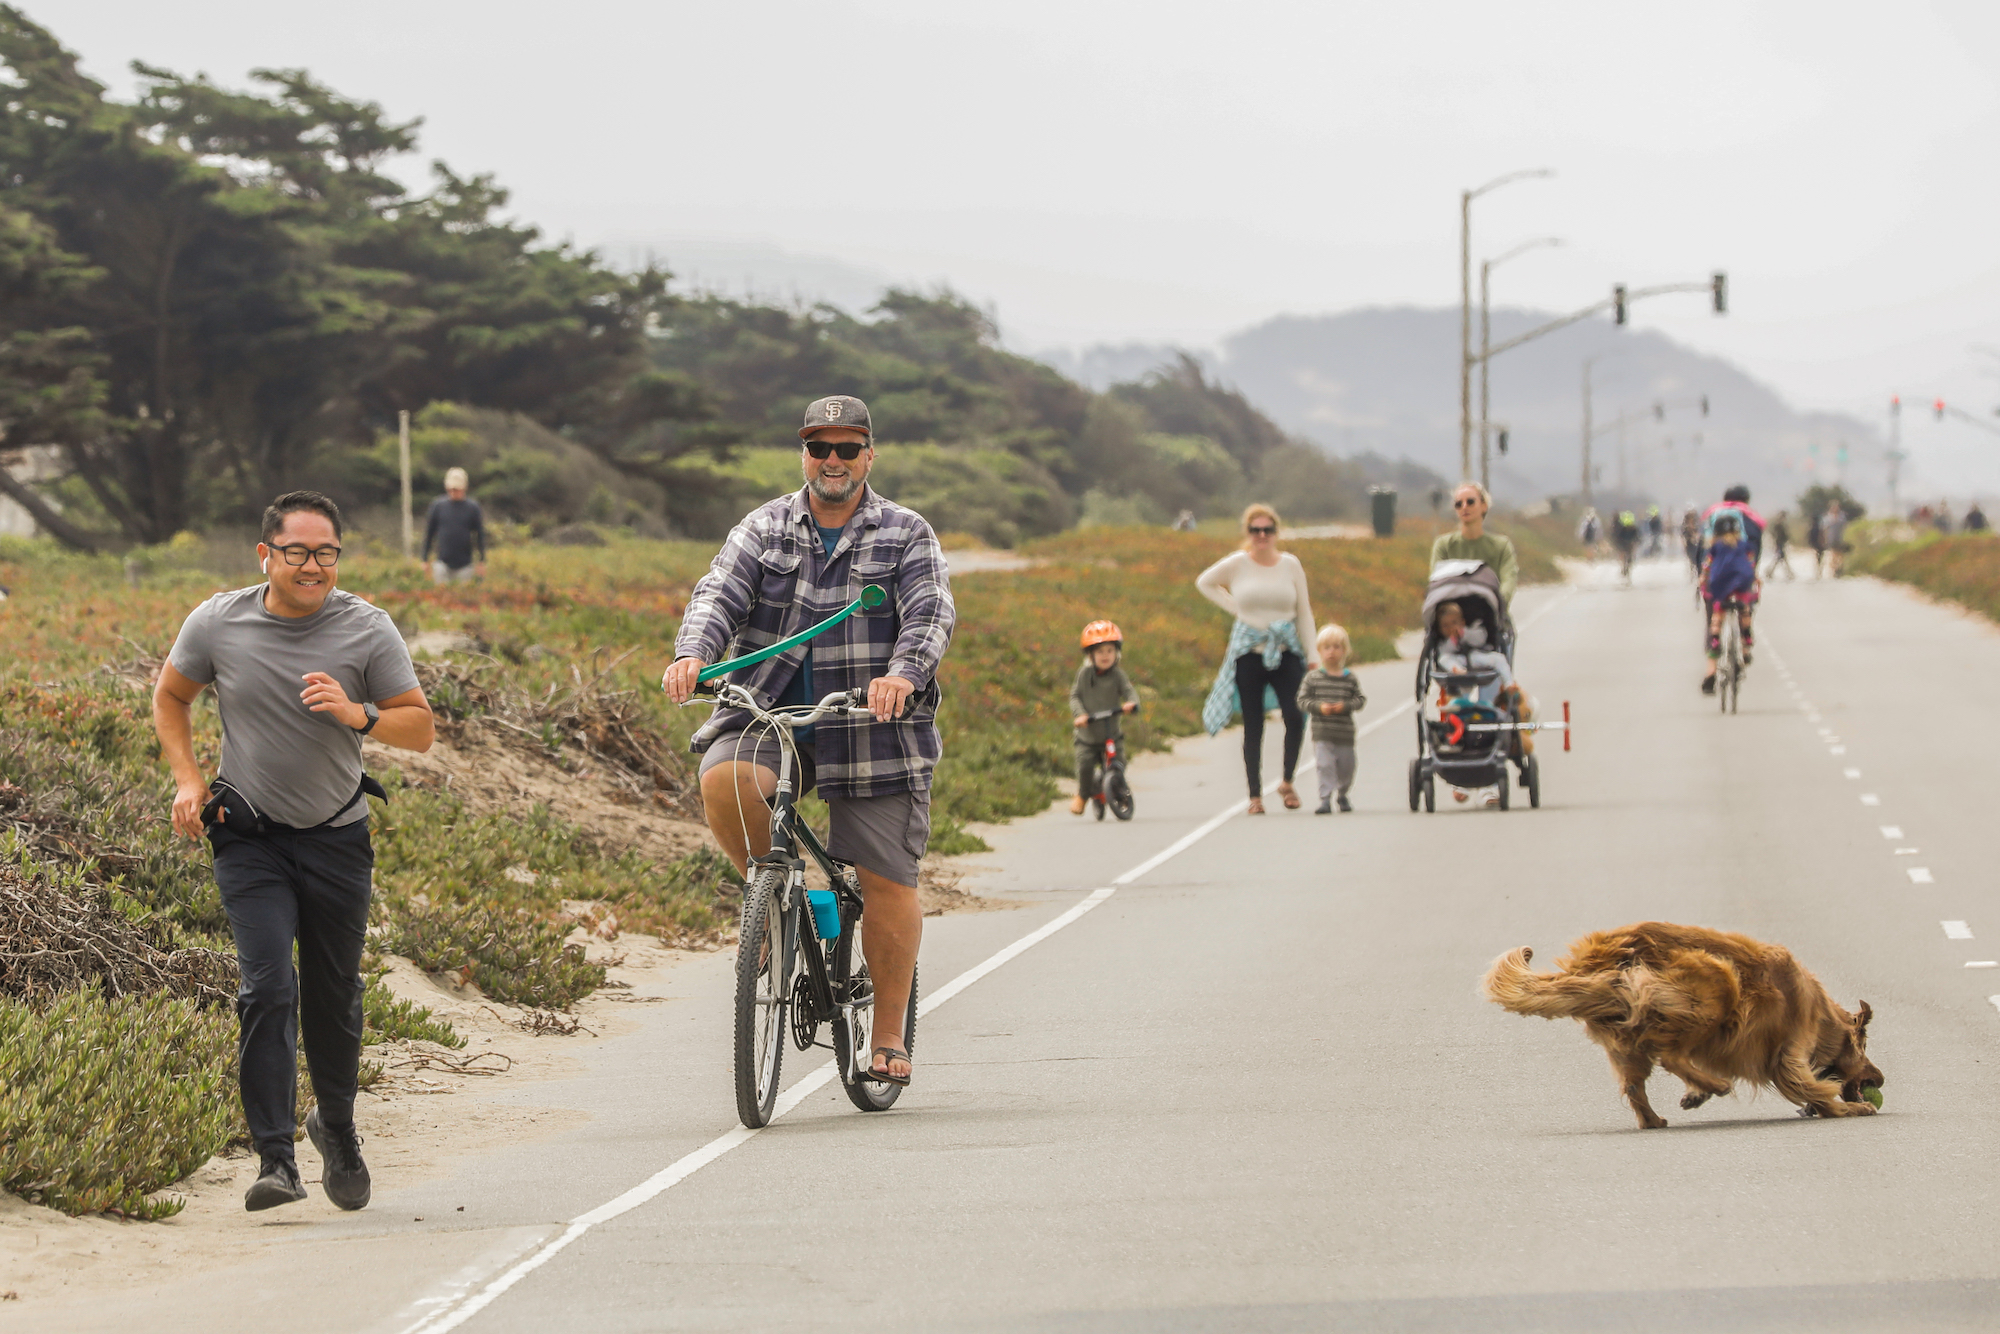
1263 530
1465 504
849 451
325 557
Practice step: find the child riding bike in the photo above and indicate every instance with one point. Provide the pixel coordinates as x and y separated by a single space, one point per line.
1101 687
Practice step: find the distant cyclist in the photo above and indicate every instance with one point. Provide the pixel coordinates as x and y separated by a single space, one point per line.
1625 536
789 565
1656 531
1730 581
1737 499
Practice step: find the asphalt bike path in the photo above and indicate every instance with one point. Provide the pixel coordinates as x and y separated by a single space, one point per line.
1254 1088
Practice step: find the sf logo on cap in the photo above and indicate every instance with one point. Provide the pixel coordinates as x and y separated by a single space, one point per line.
833 409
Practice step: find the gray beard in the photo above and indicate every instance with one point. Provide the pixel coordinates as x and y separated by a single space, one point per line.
826 495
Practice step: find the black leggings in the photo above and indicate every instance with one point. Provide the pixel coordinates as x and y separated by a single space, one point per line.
1251 678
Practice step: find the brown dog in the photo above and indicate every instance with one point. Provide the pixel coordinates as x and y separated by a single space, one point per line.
1712 1007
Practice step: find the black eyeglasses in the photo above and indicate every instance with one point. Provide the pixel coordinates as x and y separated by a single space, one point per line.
848 450
325 557
1465 504
1263 530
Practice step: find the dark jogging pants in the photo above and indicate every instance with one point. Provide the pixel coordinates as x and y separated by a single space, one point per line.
1251 678
311 887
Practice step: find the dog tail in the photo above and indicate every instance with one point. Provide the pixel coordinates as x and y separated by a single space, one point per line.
1598 996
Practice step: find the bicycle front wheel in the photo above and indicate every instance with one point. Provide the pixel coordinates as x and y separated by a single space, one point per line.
1119 795
766 951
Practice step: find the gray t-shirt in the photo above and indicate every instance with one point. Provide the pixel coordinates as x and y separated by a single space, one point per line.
299 767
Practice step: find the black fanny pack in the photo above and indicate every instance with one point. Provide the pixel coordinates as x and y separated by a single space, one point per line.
229 808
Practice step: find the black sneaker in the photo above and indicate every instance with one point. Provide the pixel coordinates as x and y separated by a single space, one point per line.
1344 804
1324 808
342 1175
1708 685
277 1183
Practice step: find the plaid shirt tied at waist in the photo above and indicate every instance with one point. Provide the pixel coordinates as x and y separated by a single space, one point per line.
773 579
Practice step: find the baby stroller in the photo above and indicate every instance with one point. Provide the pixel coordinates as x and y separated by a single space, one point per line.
1465 742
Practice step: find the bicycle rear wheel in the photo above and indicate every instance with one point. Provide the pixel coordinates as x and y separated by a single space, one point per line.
872 1095
766 952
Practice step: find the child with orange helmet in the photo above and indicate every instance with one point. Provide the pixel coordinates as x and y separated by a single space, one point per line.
1101 688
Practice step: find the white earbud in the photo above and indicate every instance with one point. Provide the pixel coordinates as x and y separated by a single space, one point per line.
265 565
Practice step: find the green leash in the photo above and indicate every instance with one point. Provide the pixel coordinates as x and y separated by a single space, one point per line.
871 597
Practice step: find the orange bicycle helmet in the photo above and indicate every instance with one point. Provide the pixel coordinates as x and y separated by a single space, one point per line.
1101 632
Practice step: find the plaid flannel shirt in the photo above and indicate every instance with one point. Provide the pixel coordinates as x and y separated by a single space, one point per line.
773 578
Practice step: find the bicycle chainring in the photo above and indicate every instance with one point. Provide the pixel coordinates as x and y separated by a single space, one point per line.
805 1028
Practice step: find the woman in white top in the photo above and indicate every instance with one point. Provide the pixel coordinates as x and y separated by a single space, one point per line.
1270 646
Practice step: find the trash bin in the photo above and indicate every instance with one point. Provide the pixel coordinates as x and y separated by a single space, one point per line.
1382 509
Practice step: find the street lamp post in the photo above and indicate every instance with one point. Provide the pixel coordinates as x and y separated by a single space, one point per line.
1465 198
1486 268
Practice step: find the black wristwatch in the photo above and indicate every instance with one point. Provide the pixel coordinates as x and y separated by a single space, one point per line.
374 717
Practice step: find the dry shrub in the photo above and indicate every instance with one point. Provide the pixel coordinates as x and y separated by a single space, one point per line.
59 933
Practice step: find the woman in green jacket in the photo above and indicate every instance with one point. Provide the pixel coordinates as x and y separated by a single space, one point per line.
1472 542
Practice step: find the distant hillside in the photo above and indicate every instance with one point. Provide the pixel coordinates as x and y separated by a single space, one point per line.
1386 381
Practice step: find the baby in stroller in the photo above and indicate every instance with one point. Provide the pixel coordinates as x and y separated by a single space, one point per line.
1467 657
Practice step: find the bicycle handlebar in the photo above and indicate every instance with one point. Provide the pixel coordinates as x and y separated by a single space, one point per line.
872 596
848 702
1108 713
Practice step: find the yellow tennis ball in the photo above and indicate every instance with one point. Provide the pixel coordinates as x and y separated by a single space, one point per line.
1873 1097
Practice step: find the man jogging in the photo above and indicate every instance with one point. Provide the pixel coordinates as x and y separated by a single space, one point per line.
787 566
456 526
302 671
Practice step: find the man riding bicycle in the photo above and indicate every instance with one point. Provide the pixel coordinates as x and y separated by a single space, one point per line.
789 565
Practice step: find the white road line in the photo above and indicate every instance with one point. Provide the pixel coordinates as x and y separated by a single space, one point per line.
1907 852
1892 831
1994 1001
1956 931
455 1311
1836 750
1982 963
1921 875
1870 799
1851 773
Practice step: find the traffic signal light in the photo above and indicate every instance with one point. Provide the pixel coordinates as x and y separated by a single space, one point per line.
1718 286
1659 411
1704 405
1896 405
1618 304
1503 440
1937 408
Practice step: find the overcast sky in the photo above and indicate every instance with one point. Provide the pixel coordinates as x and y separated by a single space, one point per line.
1174 171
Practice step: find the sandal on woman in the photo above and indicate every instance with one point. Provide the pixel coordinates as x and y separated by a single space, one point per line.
883 1076
1291 796
1256 806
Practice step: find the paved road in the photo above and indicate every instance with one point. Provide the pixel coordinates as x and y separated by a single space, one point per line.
1254 1089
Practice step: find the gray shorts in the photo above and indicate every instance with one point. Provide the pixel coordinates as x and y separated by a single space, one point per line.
886 834
446 574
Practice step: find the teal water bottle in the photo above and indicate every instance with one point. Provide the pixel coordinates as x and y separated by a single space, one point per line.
826 912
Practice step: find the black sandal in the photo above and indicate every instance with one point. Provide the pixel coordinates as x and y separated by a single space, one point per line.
883 1076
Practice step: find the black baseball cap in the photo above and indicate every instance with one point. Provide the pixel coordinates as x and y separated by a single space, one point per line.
837 410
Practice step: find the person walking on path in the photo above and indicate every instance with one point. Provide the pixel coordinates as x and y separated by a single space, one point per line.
1833 531
1331 694
789 565
456 526
1781 537
1265 590
302 671
1816 538
1472 542
1975 520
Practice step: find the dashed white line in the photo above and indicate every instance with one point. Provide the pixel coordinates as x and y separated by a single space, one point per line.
1921 875
1982 963
1906 852
1870 799
1994 1001
1892 831
1851 773
1956 931
1836 750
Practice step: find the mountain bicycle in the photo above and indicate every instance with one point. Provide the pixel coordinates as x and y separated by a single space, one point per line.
797 962
1113 792
1729 670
